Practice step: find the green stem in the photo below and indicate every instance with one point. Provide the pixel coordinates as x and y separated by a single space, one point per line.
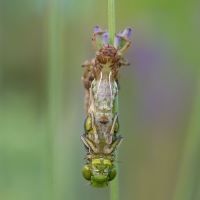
114 195
187 180
114 185
111 21
52 105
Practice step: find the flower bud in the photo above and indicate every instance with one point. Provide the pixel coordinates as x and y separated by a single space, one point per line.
127 32
117 41
105 38
97 28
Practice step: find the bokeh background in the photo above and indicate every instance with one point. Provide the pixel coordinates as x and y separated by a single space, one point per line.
42 46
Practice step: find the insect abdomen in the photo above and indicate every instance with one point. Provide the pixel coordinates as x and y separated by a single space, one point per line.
104 92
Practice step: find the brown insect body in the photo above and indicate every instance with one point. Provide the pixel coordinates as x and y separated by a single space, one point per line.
104 88
101 82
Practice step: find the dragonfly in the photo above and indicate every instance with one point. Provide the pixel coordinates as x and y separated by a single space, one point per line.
101 81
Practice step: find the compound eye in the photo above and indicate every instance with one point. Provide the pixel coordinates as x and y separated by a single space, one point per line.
116 130
112 174
86 172
88 123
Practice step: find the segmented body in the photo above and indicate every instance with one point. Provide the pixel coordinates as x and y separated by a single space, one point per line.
100 80
105 124
104 92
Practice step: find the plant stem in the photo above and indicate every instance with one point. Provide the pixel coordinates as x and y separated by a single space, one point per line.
114 185
111 21
114 195
187 181
52 105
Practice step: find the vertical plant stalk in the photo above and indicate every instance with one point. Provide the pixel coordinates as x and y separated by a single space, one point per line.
52 105
114 195
111 21
186 186
114 185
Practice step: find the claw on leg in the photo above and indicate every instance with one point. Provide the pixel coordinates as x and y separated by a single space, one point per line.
124 62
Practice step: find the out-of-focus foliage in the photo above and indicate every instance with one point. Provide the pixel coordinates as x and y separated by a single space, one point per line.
42 45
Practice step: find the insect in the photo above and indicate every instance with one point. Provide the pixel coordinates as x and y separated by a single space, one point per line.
101 125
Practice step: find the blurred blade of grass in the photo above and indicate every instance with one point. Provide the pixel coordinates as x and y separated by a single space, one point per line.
58 182
52 33
186 187
198 186
49 192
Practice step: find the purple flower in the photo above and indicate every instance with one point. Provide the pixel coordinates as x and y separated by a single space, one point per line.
105 38
127 32
97 28
117 41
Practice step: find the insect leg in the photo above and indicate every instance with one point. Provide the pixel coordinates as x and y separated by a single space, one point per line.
86 101
112 131
114 146
87 79
124 62
94 45
91 128
89 144
128 42
87 63
88 76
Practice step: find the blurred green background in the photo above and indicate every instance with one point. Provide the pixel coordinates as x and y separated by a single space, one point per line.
42 46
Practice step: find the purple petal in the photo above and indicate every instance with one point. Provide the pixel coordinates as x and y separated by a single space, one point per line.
117 41
105 38
97 28
127 32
